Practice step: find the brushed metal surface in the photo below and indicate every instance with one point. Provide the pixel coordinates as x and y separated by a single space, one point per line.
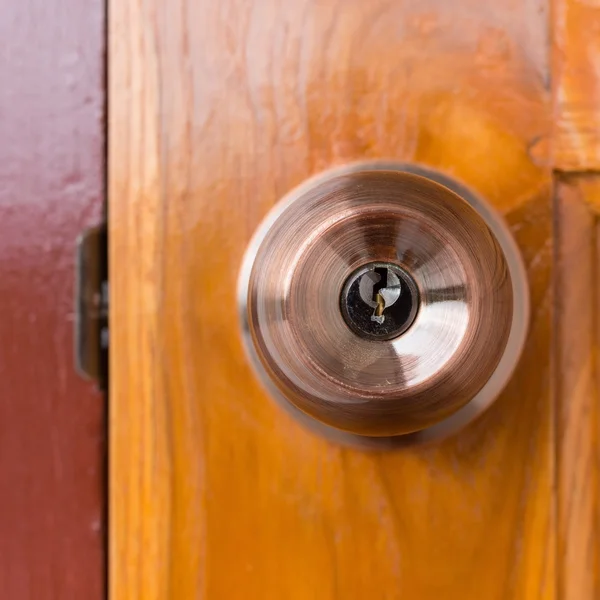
465 340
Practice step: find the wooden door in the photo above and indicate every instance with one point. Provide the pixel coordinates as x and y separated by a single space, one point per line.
219 108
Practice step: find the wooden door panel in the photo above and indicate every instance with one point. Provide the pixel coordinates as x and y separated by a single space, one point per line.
577 337
576 48
218 109
575 158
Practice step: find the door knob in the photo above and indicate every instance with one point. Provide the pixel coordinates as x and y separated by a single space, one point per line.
383 303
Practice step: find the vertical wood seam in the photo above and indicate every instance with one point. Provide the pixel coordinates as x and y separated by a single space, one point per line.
575 385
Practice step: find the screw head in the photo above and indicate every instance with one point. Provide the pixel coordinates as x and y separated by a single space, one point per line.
379 301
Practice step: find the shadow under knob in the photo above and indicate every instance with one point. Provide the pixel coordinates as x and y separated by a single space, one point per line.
383 302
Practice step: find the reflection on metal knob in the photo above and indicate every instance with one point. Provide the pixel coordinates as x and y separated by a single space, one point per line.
384 303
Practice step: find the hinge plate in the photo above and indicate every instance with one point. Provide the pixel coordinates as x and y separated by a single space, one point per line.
92 303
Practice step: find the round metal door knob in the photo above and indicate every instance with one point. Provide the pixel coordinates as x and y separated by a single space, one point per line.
383 303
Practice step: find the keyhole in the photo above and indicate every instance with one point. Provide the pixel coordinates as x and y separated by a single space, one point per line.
379 301
382 283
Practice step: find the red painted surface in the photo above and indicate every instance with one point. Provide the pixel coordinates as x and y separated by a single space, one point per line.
51 187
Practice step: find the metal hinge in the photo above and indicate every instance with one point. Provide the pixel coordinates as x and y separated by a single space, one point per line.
92 303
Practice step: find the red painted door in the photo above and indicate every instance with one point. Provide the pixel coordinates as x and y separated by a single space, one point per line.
51 187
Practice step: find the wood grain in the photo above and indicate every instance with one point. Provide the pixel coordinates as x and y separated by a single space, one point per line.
51 187
578 448
576 52
217 110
